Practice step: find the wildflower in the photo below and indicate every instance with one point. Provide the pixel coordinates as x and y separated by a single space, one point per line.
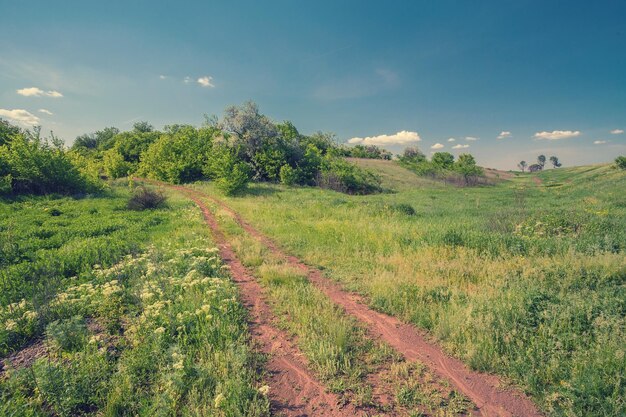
264 390
159 330
10 325
219 400
30 315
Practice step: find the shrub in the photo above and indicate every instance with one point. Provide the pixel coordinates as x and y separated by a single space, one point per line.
144 198
403 208
32 165
620 161
340 175
177 156
230 174
288 175
67 335
236 181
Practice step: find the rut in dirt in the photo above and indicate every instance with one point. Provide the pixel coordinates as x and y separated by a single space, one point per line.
486 391
294 391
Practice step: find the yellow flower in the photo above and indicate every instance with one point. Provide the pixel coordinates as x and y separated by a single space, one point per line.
159 330
10 324
264 390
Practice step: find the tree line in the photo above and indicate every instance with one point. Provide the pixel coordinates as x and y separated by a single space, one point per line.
243 146
541 162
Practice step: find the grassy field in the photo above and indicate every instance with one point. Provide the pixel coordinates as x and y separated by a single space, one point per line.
525 278
337 347
117 312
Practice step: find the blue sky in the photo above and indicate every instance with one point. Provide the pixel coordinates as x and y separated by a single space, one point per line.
551 73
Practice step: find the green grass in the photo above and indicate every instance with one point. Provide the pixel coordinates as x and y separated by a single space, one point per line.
337 347
523 279
147 323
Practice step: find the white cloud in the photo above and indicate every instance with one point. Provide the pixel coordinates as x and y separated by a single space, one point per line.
451 139
617 131
187 80
206 81
400 138
460 146
162 77
20 116
37 92
437 146
45 111
599 142
504 134
471 138
557 134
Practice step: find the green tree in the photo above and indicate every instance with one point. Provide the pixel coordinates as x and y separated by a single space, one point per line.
541 160
555 161
179 155
466 166
7 131
412 154
444 160
231 175
114 164
522 165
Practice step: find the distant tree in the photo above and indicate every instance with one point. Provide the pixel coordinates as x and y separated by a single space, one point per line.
555 161
535 168
143 127
250 127
412 154
541 160
443 160
522 165
102 139
466 165
620 162
7 131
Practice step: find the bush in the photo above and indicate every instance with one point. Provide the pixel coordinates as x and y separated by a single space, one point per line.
403 208
67 335
236 181
620 161
230 174
144 198
288 175
340 175
32 165
177 156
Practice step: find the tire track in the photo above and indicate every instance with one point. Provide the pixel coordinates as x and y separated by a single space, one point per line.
484 390
294 391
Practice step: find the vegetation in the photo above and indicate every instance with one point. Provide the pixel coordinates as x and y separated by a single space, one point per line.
365 151
524 279
336 345
30 164
118 304
442 166
121 327
144 198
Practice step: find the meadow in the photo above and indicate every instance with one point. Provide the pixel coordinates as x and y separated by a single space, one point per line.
109 311
524 278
